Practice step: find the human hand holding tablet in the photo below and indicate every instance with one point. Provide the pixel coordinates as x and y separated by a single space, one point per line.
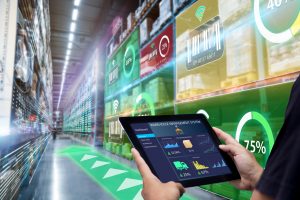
180 148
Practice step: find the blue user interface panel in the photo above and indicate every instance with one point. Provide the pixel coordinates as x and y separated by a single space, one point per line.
180 150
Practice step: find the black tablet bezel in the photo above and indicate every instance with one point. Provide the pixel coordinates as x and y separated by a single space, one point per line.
126 121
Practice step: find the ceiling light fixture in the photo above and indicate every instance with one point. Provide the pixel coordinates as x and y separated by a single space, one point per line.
76 2
75 14
71 37
72 27
68 52
70 45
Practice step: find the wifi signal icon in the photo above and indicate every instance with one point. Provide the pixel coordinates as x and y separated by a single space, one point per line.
116 105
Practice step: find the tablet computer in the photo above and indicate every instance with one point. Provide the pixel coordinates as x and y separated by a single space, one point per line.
180 148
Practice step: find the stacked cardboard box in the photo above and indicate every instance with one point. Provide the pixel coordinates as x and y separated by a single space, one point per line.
138 13
232 10
240 50
157 89
165 12
177 4
130 21
198 83
284 58
155 27
145 29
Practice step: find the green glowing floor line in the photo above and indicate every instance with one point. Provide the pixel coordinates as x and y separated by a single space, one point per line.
99 181
75 153
98 154
94 179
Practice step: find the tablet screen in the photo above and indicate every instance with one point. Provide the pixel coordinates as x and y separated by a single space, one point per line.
180 150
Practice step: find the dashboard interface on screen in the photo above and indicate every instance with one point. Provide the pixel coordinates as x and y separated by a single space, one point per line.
180 150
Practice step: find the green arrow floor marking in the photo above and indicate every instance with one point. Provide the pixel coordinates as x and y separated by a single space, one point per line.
107 173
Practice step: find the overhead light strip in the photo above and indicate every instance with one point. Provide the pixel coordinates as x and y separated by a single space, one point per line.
72 27
75 13
76 2
71 37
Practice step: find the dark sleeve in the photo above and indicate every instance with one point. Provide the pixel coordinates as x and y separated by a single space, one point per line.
281 177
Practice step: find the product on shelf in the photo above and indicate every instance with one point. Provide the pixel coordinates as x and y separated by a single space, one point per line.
157 89
27 9
145 29
241 55
165 12
122 37
130 21
24 58
177 4
155 26
138 13
144 4
231 11
285 54
34 85
196 84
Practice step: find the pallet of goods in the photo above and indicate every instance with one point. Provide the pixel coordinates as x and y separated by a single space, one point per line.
231 11
241 61
283 58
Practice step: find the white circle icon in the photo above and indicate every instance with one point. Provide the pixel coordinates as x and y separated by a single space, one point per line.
160 45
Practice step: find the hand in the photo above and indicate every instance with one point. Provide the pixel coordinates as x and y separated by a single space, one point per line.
244 160
153 188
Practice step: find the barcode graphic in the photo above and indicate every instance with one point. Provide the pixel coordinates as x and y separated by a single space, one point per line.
205 44
113 75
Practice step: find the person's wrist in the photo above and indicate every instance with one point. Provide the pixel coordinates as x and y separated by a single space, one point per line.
257 172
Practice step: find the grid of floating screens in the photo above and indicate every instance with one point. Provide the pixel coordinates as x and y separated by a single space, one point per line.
80 113
233 61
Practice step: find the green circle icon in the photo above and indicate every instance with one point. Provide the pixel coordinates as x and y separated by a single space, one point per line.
259 118
129 61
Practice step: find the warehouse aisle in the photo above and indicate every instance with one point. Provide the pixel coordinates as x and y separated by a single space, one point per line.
69 171
57 178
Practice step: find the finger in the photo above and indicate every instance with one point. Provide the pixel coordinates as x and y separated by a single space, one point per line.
177 186
141 164
239 184
180 188
231 149
236 183
228 139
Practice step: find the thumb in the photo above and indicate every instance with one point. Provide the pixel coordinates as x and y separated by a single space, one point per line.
231 149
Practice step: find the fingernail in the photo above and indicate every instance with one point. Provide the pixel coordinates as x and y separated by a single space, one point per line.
221 146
